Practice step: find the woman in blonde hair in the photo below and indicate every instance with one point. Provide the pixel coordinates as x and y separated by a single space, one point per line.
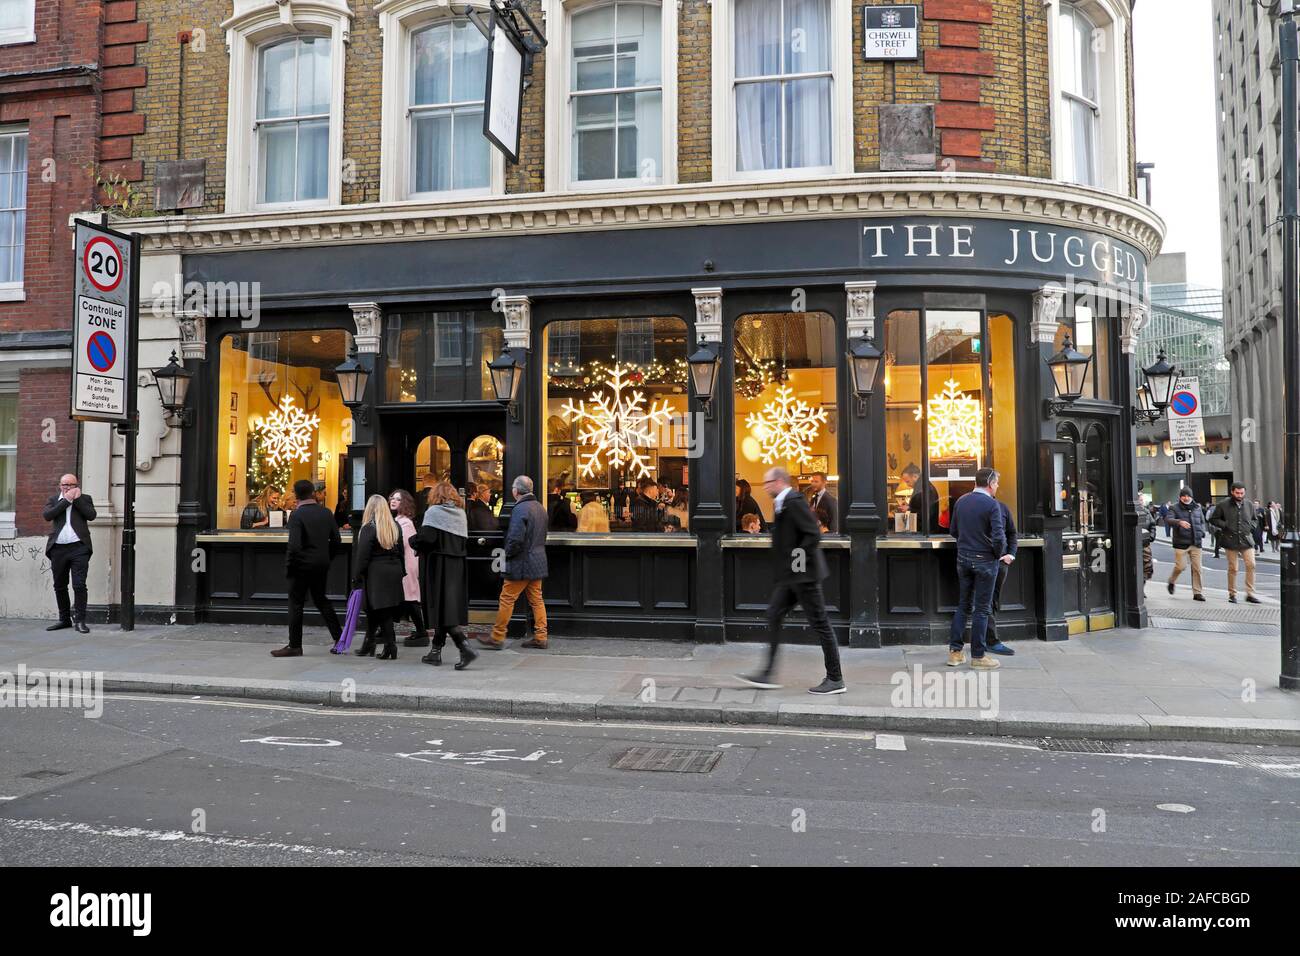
378 567
441 543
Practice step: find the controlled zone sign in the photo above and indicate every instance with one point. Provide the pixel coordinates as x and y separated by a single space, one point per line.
1186 427
101 325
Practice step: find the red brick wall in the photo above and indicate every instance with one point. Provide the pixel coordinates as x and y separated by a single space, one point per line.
43 396
67 33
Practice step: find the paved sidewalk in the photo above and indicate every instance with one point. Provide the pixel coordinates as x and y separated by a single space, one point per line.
1154 684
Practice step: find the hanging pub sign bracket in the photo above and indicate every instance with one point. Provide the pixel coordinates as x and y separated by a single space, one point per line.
511 50
504 17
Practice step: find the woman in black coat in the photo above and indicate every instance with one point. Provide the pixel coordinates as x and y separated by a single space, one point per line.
440 542
746 505
378 567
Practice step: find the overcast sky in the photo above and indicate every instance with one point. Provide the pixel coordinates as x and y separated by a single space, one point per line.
1173 51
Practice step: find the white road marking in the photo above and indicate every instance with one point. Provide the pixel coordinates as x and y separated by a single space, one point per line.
890 742
1070 753
163 836
8 798
294 741
474 759
1175 807
979 743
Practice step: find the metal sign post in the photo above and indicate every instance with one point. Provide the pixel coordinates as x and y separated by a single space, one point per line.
106 335
1289 679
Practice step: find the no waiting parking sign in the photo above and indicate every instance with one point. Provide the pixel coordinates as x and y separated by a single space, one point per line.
1186 427
101 324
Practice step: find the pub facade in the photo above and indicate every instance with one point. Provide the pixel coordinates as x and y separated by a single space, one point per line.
646 346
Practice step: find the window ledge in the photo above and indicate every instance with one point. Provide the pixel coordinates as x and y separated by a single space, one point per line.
8 525
13 294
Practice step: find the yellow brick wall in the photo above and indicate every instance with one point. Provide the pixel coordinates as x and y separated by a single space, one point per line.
694 92
876 82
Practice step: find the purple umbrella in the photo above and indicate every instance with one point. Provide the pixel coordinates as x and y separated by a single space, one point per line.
350 622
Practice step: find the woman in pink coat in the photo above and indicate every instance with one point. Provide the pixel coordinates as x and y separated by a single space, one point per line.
403 508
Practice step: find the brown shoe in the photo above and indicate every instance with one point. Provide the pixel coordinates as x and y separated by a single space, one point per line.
287 651
488 642
534 642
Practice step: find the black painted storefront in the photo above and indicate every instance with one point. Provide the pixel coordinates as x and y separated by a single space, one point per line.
710 585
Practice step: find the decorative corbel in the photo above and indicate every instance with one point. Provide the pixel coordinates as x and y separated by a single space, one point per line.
518 310
708 314
194 335
861 310
370 326
1133 320
1048 303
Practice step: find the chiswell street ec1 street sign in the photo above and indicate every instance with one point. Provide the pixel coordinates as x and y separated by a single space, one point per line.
101 324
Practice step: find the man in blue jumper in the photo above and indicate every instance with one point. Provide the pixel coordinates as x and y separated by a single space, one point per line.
978 525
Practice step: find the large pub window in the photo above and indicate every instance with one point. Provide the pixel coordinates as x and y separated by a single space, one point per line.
280 418
440 356
786 413
615 425
949 411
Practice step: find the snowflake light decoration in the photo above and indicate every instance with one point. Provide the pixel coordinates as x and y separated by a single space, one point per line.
786 428
286 433
617 424
956 423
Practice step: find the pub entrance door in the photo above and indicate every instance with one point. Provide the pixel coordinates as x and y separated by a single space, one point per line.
420 447
1089 542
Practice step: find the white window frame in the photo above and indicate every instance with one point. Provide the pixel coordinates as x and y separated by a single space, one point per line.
559 124
8 519
24 33
399 20
14 291
257 23
1114 164
724 99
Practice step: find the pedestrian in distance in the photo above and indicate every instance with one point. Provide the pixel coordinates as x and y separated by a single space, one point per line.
1261 526
980 529
525 566
1275 526
798 569
1187 522
441 544
1164 513
313 541
1234 519
378 566
69 549
402 505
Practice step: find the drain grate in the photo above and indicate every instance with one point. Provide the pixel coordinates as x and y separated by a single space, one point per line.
1274 766
666 760
46 774
1075 745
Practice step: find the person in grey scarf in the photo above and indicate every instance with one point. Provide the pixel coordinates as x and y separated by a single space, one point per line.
440 543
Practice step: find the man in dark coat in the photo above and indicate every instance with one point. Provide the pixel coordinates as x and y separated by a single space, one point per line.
924 501
1188 523
1234 519
478 516
822 498
525 554
559 511
645 507
995 645
981 532
798 569
68 548
313 541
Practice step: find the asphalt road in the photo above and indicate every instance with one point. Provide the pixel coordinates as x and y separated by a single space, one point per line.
133 787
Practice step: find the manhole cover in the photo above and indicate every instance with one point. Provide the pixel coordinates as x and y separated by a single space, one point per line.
45 774
666 760
1075 745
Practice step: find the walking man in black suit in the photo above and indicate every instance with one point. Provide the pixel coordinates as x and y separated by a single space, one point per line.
313 541
798 569
68 549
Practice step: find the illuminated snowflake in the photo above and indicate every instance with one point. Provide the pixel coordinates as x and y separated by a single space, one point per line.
286 433
956 424
618 425
786 428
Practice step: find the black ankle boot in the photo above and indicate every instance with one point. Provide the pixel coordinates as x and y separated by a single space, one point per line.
467 656
367 648
434 657
390 652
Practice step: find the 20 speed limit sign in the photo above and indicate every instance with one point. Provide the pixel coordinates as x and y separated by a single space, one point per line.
101 261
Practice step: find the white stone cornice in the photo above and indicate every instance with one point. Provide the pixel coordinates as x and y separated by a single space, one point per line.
862 195
518 311
1048 302
708 314
370 326
861 309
